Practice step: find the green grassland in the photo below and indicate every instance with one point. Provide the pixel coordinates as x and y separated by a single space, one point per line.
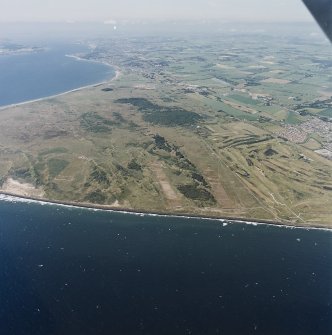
181 133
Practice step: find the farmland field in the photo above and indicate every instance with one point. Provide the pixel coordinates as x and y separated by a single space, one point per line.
206 124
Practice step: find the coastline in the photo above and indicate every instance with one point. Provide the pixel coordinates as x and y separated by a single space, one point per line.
114 208
117 74
118 209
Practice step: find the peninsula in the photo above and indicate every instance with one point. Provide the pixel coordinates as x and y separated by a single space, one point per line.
188 126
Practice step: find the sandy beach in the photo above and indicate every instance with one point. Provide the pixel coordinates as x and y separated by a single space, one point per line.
21 189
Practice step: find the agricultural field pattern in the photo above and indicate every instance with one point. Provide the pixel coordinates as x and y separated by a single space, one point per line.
212 124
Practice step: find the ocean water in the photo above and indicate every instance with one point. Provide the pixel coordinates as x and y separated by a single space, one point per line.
78 271
37 75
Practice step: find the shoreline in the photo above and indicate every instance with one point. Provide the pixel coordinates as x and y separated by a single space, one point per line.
110 208
115 209
117 74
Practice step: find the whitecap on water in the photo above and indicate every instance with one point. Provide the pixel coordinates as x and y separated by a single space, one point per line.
13 199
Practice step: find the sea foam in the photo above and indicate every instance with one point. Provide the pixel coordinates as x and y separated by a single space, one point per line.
225 222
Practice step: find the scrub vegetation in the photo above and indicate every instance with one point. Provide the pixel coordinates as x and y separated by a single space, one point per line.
238 131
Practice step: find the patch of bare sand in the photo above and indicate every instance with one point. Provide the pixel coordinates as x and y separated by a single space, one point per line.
218 191
164 182
256 96
145 87
275 81
24 189
118 74
267 62
116 204
325 94
224 66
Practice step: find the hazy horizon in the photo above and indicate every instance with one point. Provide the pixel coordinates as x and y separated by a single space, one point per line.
111 11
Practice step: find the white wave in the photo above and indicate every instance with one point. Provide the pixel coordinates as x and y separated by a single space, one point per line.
225 222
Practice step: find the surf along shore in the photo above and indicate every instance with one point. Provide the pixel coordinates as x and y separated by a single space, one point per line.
117 208
26 191
38 195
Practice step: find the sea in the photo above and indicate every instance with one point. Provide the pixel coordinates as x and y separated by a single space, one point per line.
34 75
67 270
78 271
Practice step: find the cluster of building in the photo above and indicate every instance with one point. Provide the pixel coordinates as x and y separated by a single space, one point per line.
299 134
292 134
316 125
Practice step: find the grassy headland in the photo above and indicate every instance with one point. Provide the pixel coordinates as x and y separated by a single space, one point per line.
216 136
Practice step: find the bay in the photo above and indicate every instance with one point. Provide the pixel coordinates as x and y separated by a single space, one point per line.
68 270
31 76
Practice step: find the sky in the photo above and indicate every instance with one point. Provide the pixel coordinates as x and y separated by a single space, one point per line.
112 10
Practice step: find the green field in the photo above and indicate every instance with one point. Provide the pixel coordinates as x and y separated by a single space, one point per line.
231 132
